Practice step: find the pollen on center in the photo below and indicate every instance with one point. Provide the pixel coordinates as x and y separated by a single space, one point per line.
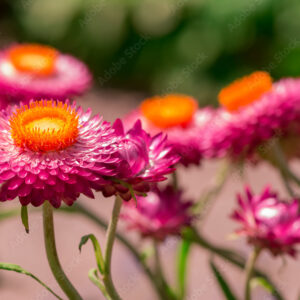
44 126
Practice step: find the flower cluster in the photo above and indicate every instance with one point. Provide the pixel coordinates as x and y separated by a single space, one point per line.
180 118
54 151
254 111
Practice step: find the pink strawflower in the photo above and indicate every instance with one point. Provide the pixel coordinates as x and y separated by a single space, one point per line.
32 71
161 213
179 118
269 222
144 160
54 151
254 111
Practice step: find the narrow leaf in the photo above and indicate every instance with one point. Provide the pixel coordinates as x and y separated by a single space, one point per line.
261 281
226 254
97 249
182 258
222 282
18 269
8 214
93 276
24 217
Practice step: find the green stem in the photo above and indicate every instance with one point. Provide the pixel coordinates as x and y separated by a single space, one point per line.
175 180
249 271
182 262
94 278
189 234
6 214
52 256
164 287
158 267
282 164
212 192
77 208
287 184
224 253
110 238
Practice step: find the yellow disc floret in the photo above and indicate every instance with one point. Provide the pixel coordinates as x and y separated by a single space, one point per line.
246 90
170 110
33 59
44 126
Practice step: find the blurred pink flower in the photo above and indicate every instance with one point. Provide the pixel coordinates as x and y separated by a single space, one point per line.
274 114
178 117
161 213
32 71
268 222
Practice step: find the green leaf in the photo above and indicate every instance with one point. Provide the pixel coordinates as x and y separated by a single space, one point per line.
182 258
8 213
222 282
97 249
227 254
261 281
24 216
146 253
18 269
93 276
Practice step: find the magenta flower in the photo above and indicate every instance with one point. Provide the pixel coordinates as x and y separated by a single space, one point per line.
144 160
268 222
54 151
161 213
31 71
254 111
179 118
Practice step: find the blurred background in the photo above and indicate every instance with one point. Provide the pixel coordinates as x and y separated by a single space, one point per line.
143 47
162 46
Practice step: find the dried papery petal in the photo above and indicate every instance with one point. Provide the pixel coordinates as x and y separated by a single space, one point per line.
268 222
161 213
178 117
245 131
54 151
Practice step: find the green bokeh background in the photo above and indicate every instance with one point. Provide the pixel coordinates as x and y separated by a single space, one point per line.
161 46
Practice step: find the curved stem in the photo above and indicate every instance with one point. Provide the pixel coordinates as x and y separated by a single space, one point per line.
175 180
77 208
287 184
190 234
249 271
52 256
282 164
110 238
225 253
211 193
158 267
94 279
165 289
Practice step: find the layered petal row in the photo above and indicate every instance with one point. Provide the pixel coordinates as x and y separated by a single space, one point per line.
268 222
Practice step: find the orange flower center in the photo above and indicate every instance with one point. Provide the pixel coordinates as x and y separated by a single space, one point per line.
34 59
170 110
44 126
246 90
